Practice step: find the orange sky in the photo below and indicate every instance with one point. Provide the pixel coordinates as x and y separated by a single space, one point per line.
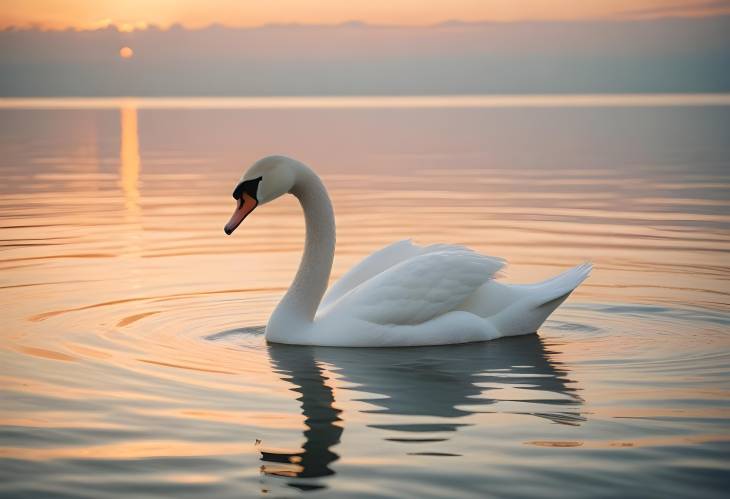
128 14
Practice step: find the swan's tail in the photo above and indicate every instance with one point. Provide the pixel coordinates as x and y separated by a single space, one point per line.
567 281
541 300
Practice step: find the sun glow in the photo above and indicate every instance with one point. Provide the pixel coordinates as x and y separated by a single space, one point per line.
126 27
126 53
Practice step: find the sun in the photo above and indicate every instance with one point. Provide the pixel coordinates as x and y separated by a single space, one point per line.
126 53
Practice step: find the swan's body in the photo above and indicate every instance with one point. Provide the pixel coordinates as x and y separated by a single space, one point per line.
401 295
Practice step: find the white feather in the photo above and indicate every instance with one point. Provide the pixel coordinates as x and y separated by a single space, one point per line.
378 262
419 288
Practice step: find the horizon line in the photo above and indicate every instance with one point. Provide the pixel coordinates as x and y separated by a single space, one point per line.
369 102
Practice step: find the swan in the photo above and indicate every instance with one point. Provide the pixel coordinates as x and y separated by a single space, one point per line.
401 295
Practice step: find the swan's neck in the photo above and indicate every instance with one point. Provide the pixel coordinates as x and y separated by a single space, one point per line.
305 293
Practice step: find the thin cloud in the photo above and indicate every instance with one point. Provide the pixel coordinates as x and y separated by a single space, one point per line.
602 56
693 9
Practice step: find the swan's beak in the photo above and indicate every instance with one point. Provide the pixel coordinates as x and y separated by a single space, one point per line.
246 205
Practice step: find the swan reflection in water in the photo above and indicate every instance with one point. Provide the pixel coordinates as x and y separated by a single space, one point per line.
440 382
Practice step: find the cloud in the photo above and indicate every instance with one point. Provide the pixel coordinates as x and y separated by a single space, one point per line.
655 55
709 8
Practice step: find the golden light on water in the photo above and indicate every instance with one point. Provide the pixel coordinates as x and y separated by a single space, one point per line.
126 53
129 159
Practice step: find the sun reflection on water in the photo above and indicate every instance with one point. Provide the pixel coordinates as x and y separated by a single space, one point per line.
129 160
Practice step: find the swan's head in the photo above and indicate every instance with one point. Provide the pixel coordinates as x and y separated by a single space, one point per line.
264 181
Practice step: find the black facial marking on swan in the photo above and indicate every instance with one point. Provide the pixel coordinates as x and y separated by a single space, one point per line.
250 187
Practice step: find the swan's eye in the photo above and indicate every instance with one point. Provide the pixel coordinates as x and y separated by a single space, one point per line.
250 187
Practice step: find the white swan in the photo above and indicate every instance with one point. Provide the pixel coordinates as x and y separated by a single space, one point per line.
401 295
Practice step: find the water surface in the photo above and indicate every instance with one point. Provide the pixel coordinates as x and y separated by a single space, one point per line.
132 353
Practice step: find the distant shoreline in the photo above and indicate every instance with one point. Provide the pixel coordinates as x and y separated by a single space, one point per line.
368 102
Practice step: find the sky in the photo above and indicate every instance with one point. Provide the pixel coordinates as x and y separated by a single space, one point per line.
399 47
131 14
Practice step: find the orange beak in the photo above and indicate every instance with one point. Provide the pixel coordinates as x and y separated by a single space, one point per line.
246 205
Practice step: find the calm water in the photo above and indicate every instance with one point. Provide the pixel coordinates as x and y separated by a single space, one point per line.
132 358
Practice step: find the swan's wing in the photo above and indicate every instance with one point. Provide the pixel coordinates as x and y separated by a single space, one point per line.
419 288
376 263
